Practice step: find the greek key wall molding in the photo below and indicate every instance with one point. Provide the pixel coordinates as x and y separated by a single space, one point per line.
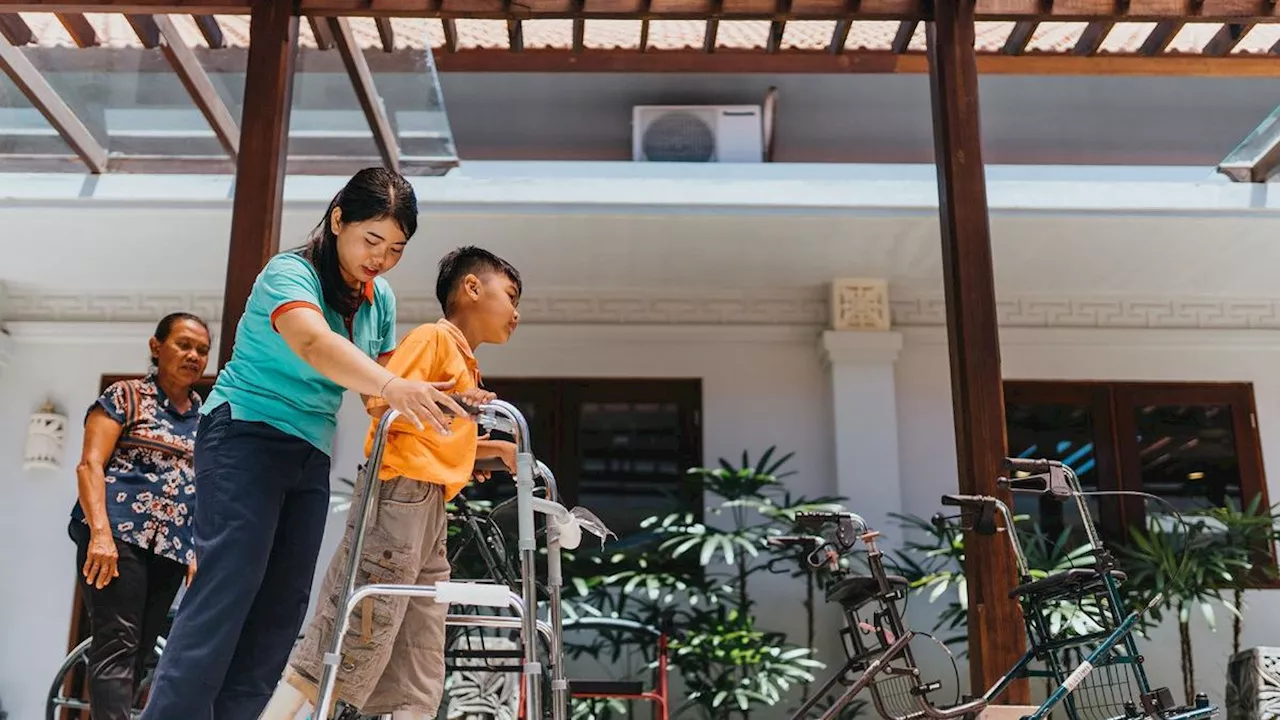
640 306
760 306
1197 313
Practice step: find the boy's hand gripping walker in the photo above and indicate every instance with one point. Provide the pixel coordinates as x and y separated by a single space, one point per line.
564 529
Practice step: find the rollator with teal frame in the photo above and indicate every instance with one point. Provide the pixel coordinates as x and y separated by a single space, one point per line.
1095 675
1109 653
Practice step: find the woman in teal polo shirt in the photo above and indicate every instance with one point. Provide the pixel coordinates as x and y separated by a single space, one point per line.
319 321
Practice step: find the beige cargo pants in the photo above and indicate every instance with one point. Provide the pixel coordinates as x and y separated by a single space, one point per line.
393 654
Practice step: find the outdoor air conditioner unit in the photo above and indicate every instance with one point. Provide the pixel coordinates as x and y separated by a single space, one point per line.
697 133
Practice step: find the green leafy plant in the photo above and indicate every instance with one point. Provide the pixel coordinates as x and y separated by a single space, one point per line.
1192 565
932 559
693 573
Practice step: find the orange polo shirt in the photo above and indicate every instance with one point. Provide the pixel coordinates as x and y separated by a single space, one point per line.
431 353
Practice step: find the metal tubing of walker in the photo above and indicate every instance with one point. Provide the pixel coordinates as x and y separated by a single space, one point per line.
529 603
559 684
372 468
528 552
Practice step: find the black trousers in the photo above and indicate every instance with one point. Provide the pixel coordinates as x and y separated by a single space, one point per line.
125 618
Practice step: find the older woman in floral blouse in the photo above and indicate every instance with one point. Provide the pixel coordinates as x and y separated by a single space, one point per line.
133 522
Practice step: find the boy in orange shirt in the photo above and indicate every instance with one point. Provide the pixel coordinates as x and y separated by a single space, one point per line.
393 655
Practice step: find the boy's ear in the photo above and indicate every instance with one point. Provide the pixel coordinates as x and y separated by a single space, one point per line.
471 285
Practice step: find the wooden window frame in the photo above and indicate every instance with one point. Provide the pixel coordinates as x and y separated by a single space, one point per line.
1115 438
565 394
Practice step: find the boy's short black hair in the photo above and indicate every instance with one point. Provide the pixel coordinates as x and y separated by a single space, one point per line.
470 259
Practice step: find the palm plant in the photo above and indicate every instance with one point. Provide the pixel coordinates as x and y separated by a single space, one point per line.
694 575
1191 566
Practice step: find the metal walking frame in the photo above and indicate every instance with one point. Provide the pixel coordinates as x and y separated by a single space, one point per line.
503 417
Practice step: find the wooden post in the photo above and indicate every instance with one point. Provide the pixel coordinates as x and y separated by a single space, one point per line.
260 166
996 636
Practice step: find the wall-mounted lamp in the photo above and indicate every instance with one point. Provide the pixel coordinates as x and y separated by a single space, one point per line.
46 434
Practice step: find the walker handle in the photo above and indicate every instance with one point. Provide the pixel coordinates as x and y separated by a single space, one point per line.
491 465
1030 466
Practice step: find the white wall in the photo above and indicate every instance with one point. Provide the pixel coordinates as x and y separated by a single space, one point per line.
927 440
760 386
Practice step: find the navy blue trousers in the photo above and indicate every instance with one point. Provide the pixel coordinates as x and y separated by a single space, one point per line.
262 497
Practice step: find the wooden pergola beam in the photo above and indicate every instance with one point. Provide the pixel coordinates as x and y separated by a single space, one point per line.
902 38
366 93
386 34
260 167
15 29
450 35
1020 37
996 640
211 30
1226 39
1159 38
1095 33
79 28
320 31
54 109
196 80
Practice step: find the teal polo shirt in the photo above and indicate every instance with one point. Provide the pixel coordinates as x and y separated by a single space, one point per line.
265 381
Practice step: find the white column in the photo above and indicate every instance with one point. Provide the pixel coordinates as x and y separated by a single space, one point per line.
865 423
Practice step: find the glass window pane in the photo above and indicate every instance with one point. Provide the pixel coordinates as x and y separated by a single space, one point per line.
1058 432
1187 454
129 96
410 89
23 129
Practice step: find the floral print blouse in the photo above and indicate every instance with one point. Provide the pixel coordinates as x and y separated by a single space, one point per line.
151 490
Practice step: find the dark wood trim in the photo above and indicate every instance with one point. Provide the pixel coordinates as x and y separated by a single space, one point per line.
260 169
724 60
996 640
198 85
910 10
366 93
1079 10
18 67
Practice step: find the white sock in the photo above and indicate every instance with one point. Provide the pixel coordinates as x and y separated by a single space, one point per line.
408 715
285 703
